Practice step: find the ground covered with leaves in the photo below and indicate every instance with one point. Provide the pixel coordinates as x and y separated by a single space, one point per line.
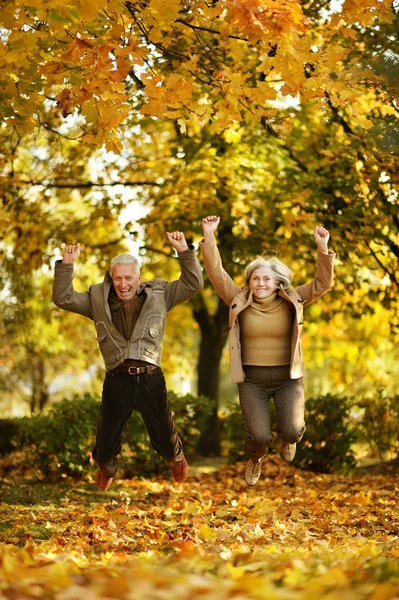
295 536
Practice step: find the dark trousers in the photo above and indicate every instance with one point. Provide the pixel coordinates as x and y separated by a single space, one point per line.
123 393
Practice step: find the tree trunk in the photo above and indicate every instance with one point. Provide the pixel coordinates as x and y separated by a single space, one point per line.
214 330
39 396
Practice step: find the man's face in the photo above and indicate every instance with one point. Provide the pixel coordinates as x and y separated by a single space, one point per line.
262 283
126 279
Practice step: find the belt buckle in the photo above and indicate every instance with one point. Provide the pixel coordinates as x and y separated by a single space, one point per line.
136 370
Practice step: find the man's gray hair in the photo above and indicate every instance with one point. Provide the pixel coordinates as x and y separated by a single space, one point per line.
281 272
125 259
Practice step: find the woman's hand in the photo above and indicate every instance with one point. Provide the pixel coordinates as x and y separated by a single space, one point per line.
209 226
321 236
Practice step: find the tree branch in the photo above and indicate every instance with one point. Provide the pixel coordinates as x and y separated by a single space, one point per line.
136 79
66 137
274 133
105 244
347 128
87 184
390 274
197 27
156 251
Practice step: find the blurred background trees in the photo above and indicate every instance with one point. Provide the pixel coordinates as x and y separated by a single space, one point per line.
122 121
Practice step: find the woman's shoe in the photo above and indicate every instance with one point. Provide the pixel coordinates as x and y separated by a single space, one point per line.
288 451
253 471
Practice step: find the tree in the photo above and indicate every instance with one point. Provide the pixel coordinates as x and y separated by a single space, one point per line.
40 343
270 197
274 115
227 62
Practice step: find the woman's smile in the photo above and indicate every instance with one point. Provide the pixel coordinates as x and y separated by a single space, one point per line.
262 282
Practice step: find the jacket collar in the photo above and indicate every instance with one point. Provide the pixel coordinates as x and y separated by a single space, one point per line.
107 283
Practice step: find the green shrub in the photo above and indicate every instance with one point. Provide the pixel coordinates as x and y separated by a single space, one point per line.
62 439
380 424
60 442
327 444
12 435
233 433
190 414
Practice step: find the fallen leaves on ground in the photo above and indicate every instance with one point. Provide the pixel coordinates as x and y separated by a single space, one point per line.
295 536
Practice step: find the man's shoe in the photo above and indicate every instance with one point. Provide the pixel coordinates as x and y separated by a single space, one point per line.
288 451
180 470
253 471
102 481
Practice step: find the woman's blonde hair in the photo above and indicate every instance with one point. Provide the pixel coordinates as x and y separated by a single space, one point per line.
281 272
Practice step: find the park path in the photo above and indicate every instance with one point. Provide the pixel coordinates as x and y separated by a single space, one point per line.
295 536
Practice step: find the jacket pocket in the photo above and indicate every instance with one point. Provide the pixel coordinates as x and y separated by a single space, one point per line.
154 331
109 348
151 337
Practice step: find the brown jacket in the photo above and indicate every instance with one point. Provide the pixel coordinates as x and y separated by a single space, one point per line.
239 298
145 342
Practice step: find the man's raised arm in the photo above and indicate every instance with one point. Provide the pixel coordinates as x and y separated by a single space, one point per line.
64 296
191 280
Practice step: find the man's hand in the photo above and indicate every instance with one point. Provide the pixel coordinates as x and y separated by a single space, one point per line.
71 253
177 240
209 226
321 236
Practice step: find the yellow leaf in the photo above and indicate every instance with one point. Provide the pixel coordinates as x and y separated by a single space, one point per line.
90 112
206 533
362 498
235 572
385 591
114 145
294 577
364 122
182 125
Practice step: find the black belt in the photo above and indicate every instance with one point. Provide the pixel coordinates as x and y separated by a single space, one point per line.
132 370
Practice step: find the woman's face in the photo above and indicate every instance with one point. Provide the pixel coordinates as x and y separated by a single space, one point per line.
262 283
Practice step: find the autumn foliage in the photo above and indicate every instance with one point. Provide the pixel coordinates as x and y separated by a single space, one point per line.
193 62
296 536
277 115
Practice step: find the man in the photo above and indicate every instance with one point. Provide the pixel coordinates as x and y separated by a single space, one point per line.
129 317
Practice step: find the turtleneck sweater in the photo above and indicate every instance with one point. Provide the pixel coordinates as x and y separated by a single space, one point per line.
265 327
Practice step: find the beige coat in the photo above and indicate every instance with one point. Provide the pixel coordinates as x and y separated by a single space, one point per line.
239 298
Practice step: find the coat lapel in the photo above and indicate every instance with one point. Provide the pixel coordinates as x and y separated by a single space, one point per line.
294 300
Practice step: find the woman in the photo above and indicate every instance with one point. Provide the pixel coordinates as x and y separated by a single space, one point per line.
265 323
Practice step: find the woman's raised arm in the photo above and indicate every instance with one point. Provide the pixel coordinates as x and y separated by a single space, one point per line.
221 281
